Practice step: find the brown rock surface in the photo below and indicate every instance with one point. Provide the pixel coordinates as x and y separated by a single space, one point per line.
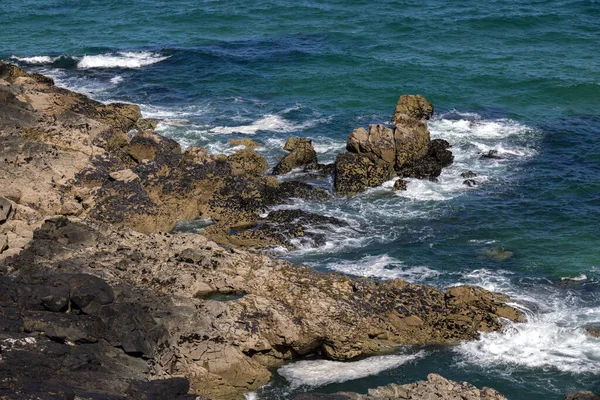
246 142
355 172
413 106
302 155
285 311
435 387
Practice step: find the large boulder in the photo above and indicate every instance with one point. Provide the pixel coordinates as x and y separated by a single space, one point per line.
377 144
248 162
302 155
429 167
411 139
5 209
356 172
413 106
146 145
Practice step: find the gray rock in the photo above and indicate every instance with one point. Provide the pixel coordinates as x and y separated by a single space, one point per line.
5 209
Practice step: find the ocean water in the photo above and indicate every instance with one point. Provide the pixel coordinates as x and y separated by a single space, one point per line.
522 78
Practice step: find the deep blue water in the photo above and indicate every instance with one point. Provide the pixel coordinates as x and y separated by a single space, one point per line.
522 78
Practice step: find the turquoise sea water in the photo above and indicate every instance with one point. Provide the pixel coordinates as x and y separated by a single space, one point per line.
522 78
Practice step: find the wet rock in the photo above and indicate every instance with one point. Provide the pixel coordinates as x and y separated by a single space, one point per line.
399 185
468 174
302 155
581 395
413 106
429 167
295 189
145 124
246 142
470 182
435 387
5 209
493 154
412 141
593 329
355 172
146 145
248 162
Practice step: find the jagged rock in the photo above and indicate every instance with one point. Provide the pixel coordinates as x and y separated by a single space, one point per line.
197 155
400 184
248 162
145 124
412 141
302 155
493 154
413 106
468 174
3 243
355 172
146 145
5 209
226 347
377 144
429 167
435 387
246 142
88 292
593 329
581 395
470 182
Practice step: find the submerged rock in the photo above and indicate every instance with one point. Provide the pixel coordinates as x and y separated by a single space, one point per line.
581 395
470 182
496 253
302 155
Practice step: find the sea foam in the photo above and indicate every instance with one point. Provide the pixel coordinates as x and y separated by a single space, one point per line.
120 60
323 372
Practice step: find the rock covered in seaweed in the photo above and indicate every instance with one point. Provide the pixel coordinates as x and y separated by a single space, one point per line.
404 150
151 303
301 155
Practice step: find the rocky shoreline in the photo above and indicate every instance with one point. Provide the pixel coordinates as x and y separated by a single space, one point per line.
99 301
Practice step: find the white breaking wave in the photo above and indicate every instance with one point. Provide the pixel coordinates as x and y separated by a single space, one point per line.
268 122
36 59
553 336
116 80
383 266
323 372
120 60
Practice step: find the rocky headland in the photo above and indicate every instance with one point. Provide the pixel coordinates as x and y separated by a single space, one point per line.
100 299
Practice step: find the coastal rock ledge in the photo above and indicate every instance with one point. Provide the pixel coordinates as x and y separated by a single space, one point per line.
97 301
435 387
